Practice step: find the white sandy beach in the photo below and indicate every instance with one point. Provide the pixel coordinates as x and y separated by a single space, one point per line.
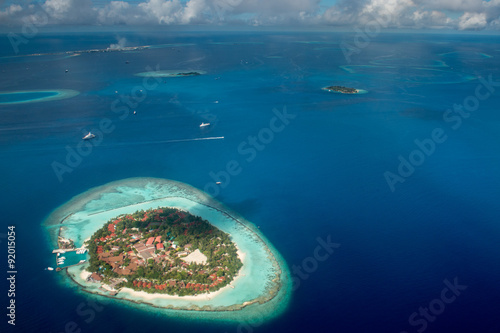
148 297
256 280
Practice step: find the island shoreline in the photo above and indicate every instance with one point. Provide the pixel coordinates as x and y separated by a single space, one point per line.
272 288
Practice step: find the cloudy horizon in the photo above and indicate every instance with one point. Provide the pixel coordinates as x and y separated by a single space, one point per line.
460 15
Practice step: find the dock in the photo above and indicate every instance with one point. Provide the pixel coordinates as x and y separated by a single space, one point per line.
61 268
63 250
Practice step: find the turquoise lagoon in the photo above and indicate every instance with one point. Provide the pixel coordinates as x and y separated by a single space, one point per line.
262 289
33 96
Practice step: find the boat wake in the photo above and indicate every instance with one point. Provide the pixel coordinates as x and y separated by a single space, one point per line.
162 142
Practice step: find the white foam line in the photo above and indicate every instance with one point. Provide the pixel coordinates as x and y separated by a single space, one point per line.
166 141
125 144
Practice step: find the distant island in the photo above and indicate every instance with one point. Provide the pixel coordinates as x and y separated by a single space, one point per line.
342 89
171 73
163 250
189 74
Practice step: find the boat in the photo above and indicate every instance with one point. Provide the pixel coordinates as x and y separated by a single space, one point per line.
82 261
50 268
204 124
89 136
218 183
62 258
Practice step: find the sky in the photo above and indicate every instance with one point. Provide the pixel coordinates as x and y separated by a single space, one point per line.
387 14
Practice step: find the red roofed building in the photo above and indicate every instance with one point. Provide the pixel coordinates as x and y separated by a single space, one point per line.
158 239
150 240
96 277
159 246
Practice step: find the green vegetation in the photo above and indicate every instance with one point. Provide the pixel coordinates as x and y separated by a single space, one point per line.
146 251
343 90
189 74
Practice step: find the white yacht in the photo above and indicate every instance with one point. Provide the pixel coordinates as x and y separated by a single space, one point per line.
89 136
204 125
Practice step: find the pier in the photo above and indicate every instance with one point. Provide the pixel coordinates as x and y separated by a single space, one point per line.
58 269
63 250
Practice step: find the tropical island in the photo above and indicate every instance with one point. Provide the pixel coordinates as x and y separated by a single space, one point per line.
171 73
163 250
188 74
164 246
342 89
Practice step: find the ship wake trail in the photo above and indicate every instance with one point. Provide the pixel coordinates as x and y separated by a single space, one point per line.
163 142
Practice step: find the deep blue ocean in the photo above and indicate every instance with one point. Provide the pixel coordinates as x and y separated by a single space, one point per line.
321 174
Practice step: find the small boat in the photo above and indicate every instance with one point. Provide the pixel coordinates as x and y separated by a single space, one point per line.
58 254
218 183
62 258
204 125
50 268
82 261
66 71
135 112
88 136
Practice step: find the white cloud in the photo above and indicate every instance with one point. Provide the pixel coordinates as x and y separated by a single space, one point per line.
472 21
452 5
70 11
391 13
476 14
472 14
116 12
431 19
162 11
